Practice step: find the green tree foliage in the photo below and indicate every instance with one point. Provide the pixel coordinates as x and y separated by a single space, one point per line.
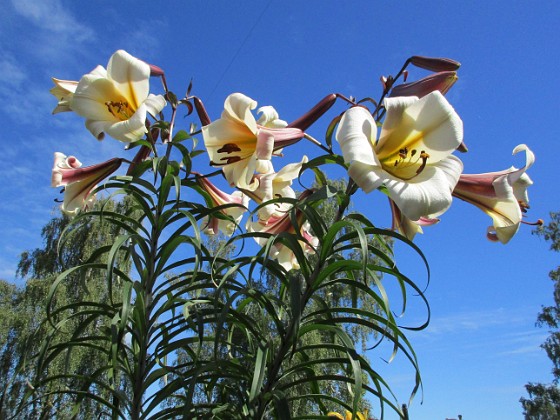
544 399
22 314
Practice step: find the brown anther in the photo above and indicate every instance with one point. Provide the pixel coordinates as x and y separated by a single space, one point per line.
403 153
229 148
424 156
396 163
119 109
523 206
231 159
413 152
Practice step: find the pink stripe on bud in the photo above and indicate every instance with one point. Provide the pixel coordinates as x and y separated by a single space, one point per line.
442 81
155 71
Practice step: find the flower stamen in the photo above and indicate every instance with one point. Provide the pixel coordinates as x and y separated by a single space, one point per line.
120 109
229 148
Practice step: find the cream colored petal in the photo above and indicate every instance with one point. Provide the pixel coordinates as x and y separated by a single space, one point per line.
265 145
62 165
269 117
58 166
395 108
91 96
428 194
129 130
520 188
236 213
238 107
154 104
98 128
429 124
77 197
240 174
516 174
99 72
264 167
63 87
367 177
63 106
356 134
223 132
505 233
286 258
290 171
131 77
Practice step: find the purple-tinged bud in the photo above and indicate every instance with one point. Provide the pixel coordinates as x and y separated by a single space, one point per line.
201 111
434 64
438 81
305 121
155 71
143 153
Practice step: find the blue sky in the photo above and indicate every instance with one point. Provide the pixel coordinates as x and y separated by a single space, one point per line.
481 346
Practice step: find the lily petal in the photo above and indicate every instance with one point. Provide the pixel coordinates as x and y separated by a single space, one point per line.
116 101
430 193
240 145
130 76
356 134
238 107
64 92
269 117
79 181
501 195
407 227
429 124
412 158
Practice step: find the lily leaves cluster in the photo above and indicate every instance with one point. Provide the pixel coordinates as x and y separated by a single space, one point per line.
196 332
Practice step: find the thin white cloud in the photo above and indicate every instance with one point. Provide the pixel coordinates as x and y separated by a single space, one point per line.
11 71
471 321
51 15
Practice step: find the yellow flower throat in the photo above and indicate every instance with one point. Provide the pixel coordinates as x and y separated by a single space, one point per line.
120 109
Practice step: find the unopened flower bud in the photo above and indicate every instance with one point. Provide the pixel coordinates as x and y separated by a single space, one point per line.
305 121
143 153
201 111
434 64
438 81
155 70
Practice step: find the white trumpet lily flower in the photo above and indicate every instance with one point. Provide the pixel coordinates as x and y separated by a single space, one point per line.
412 158
116 100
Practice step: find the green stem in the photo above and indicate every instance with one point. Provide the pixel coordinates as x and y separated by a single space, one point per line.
145 298
287 339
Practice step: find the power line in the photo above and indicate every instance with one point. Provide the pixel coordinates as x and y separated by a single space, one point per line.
239 49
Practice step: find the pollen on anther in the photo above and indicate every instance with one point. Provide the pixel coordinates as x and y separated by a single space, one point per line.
229 148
